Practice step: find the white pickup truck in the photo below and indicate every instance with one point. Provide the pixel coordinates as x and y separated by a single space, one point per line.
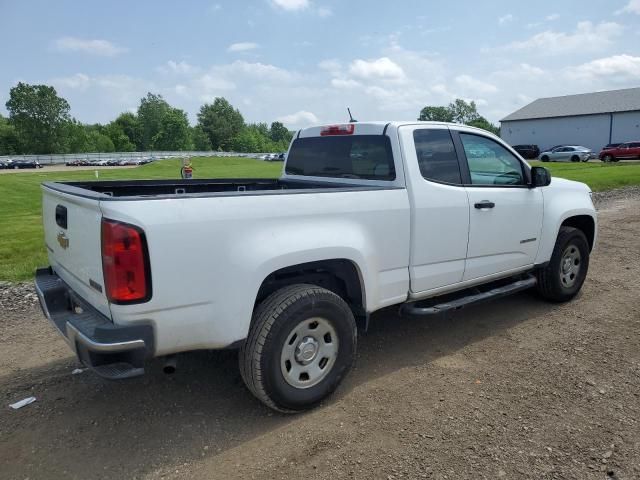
428 216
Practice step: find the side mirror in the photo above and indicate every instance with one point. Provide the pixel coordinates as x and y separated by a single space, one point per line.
540 177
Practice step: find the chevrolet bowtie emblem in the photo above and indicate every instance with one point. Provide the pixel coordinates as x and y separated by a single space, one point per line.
63 240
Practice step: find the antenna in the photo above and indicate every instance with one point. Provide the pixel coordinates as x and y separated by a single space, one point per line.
351 119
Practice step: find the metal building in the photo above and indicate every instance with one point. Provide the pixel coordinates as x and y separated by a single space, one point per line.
589 119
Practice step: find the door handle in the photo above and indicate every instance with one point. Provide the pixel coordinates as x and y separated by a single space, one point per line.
485 204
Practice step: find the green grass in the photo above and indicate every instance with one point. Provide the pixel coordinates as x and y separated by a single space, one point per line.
21 236
22 248
598 175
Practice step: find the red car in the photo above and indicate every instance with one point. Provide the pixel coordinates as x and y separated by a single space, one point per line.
623 151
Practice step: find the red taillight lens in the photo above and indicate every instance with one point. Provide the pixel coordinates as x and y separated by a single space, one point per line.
125 263
338 130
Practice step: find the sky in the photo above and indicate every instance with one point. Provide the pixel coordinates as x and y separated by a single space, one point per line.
304 62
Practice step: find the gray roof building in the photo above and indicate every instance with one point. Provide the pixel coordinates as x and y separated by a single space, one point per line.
612 101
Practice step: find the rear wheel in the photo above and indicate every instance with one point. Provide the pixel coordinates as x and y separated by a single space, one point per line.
301 345
563 277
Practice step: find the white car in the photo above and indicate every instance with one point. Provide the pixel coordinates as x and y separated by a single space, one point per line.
566 153
427 216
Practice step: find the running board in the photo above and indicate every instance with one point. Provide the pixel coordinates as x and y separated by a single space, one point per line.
474 296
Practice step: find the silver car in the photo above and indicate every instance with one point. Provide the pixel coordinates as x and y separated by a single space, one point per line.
566 153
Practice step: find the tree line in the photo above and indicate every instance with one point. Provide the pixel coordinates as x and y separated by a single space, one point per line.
39 123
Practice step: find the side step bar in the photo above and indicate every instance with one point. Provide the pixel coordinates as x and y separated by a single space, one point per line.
473 296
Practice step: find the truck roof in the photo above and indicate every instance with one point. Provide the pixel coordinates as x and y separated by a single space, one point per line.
373 127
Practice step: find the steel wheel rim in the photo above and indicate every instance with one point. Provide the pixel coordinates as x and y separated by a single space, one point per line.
309 352
570 266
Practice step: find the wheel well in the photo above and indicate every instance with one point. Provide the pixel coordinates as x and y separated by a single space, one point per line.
584 223
339 276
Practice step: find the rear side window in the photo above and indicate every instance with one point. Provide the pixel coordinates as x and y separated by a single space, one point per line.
366 157
437 156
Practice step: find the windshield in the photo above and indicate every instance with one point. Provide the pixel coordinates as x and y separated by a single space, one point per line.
367 157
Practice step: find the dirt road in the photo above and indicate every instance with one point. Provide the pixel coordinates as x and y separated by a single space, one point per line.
517 388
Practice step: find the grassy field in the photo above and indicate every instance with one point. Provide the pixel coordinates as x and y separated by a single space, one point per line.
22 249
598 175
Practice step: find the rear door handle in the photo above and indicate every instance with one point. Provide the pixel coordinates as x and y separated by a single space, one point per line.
485 204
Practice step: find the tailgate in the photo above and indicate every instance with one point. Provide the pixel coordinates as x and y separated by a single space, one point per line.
73 241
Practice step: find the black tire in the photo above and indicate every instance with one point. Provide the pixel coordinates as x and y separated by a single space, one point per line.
575 158
607 158
551 285
545 158
273 322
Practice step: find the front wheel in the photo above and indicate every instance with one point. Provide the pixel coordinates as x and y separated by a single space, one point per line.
301 344
575 158
545 158
607 158
562 278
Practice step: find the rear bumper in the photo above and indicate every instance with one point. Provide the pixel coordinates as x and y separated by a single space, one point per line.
112 351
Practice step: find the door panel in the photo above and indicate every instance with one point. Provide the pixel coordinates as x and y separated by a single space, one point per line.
506 236
439 207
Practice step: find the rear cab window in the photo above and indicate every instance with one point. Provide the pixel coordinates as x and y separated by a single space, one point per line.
436 155
366 157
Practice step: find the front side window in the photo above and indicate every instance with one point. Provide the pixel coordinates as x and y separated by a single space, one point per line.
436 155
367 157
490 163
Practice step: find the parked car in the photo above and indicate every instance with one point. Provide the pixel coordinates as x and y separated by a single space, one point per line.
527 151
20 164
275 157
623 151
567 153
287 270
4 164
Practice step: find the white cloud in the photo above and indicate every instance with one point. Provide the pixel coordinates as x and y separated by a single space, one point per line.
180 68
619 67
552 17
242 46
382 67
505 19
93 47
291 5
632 7
345 83
79 81
474 85
586 37
299 119
324 12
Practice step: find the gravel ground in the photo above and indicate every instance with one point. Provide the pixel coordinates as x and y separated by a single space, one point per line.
516 388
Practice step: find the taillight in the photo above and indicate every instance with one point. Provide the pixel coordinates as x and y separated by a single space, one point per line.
338 130
125 263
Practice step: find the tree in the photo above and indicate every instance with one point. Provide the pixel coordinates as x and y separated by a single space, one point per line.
8 138
38 116
279 133
436 114
151 111
463 112
200 139
121 141
221 122
482 122
131 127
98 142
174 133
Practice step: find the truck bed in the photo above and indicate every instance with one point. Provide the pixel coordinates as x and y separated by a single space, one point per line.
204 187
